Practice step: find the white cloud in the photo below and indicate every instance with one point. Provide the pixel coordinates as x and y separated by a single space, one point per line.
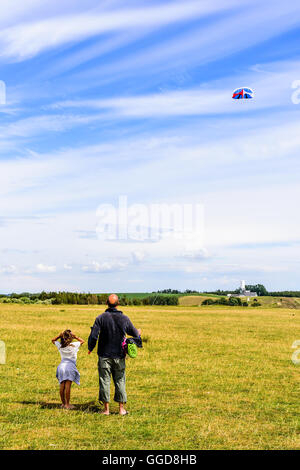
43 268
27 39
243 167
246 26
96 267
138 256
272 84
195 253
14 10
42 124
189 102
11 269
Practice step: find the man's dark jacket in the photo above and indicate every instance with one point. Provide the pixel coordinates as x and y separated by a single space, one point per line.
112 326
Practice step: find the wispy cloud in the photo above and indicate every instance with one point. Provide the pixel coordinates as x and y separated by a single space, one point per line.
40 124
271 82
25 40
247 26
147 112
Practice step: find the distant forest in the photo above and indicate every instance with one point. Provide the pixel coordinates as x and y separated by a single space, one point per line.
161 297
74 298
258 288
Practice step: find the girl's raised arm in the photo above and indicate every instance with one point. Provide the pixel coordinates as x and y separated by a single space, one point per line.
81 341
56 338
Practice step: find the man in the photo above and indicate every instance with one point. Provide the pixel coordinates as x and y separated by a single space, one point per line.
113 326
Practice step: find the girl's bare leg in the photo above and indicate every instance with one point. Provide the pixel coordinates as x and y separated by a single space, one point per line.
68 394
62 393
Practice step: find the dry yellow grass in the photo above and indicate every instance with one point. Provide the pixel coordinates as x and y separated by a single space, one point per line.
194 300
207 378
265 301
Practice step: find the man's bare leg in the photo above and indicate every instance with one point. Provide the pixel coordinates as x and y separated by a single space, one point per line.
122 410
106 408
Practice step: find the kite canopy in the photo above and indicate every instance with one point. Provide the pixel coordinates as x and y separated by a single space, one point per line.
242 94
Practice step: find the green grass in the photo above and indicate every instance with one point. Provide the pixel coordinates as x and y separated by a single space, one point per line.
207 378
141 295
133 295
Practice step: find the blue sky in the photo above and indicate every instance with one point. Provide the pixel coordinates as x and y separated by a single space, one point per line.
110 98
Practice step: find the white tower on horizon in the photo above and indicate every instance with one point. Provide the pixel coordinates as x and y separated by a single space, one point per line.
243 286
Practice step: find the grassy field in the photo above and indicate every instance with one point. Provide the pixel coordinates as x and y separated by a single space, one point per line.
207 378
265 301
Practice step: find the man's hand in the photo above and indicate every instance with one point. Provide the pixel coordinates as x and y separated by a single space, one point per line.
139 331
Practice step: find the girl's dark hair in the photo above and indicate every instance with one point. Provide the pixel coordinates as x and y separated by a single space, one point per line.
66 338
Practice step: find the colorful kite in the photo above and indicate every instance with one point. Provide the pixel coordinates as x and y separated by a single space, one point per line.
242 94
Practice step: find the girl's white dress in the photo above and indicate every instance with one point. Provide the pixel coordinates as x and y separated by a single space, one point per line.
67 369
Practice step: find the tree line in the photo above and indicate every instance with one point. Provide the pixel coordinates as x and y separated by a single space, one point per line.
231 301
162 297
260 290
75 298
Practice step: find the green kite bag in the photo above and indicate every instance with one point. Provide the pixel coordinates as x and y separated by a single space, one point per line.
132 350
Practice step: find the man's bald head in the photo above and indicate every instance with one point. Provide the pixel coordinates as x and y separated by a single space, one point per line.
113 300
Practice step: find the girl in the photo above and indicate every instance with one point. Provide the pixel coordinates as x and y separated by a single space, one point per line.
67 371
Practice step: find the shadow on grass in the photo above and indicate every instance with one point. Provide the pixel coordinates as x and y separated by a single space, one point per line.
89 407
